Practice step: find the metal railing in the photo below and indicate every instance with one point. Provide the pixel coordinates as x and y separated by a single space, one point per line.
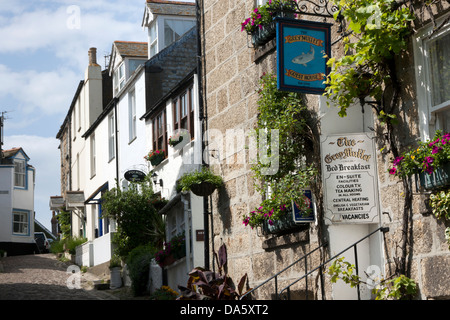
320 268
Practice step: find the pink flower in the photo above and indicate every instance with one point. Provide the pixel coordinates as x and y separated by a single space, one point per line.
436 150
393 170
397 160
270 222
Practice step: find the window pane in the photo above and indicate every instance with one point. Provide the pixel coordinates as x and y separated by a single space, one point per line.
174 29
439 51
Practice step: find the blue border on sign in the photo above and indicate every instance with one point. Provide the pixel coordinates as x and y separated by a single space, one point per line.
303 61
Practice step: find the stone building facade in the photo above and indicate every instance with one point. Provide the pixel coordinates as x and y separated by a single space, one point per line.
231 70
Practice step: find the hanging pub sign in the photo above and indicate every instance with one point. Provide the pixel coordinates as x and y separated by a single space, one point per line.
350 180
134 176
303 48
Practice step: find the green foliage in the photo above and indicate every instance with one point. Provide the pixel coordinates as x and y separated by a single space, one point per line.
138 262
115 262
264 14
426 158
67 244
64 220
399 288
208 285
378 33
164 293
282 119
138 221
196 177
440 204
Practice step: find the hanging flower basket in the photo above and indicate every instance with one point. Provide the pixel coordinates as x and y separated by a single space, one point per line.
167 261
203 189
437 179
201 182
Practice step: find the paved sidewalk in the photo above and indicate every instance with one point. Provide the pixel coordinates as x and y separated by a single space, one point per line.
43 277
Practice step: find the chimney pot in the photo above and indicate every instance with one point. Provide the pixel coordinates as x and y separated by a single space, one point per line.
92 56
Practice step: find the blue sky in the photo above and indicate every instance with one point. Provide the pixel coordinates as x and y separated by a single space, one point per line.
43 56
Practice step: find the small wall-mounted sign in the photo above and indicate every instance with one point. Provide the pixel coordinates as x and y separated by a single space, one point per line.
300 216
303 48
134 176
199 235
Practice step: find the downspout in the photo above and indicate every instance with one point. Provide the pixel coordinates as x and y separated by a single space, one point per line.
117 140
203 119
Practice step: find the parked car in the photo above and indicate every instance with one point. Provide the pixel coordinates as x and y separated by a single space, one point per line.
42 242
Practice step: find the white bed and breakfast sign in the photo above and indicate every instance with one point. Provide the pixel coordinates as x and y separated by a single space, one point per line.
350 178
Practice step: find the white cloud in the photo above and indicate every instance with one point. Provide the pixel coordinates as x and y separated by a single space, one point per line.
47 92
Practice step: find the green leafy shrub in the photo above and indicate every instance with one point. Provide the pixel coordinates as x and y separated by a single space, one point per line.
138 262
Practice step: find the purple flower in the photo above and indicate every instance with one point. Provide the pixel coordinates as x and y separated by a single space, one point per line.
397 160
428 160
436 150
270 222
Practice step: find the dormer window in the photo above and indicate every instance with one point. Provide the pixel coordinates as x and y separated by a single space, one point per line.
19 173
119 78
174 29
164 31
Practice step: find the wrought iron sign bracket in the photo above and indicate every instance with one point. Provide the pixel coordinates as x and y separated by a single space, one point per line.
321 8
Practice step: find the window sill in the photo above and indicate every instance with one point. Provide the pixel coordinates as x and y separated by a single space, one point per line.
132 140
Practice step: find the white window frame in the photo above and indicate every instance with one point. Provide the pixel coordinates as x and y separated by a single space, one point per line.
430 116
20 173
131 115
111 136
153 36
23 222
93 156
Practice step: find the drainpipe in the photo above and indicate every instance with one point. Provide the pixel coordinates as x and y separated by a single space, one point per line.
203 119
187 214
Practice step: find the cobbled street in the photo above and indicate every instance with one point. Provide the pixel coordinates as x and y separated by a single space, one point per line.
43 277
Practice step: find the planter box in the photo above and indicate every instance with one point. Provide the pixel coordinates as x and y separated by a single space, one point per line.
264 35
438 179
157 159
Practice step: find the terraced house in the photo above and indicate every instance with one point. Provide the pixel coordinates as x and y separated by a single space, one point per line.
349 135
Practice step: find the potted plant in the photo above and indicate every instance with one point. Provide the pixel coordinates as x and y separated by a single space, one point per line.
155 157
175 139
431 161
165 256
115 266
178 245
201 182
260 25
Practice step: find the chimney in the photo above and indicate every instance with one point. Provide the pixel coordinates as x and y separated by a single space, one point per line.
92 53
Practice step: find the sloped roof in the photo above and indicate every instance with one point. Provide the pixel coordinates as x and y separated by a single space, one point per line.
179 8
11 152
132 48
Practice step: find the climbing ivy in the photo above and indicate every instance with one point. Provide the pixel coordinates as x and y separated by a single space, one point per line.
283 120
376 32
